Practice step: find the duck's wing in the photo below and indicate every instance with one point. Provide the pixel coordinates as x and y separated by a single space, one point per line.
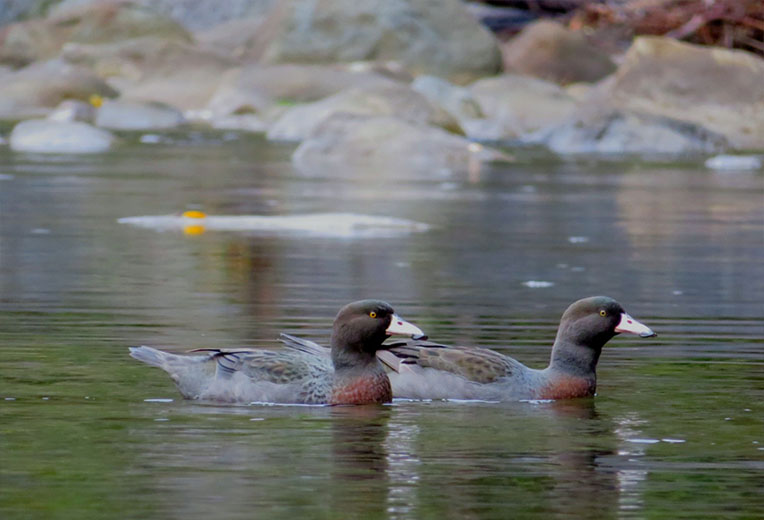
304 345
479 365
274 366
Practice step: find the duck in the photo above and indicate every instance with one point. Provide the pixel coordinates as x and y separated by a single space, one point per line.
348 373
420 369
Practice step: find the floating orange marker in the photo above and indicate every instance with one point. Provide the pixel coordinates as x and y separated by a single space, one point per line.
196 229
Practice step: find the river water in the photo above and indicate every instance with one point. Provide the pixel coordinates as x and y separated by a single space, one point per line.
676 430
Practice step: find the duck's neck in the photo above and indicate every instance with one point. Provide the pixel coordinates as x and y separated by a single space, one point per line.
574 357
359 378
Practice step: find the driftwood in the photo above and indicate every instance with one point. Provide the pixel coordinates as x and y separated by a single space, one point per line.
728 23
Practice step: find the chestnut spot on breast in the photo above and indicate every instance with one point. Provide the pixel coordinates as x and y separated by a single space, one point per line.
370 389
567 387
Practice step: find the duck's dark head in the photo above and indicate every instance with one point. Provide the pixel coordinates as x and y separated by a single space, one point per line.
362 326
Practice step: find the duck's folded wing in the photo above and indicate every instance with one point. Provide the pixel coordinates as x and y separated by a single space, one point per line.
476 364
304 345
275 366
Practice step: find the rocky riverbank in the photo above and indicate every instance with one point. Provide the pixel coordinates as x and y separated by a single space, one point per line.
403 84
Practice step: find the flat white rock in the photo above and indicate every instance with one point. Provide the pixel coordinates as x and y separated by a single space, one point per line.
319 224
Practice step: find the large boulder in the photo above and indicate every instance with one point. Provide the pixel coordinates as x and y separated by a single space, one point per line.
37 89
132 115
719 89
550 51
387 147
436 37
395 100
45 136
516 106
23 43
90 22
155 69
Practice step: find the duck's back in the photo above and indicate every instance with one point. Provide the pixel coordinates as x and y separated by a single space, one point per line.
424 370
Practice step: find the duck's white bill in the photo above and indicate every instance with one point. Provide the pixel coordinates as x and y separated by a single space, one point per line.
632 326
401 327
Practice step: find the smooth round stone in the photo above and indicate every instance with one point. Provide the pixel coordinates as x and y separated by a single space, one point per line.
45 136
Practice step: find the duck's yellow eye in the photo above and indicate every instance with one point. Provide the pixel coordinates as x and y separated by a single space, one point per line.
372 314
603 313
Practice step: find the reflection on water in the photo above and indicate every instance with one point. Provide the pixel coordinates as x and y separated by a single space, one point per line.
86 432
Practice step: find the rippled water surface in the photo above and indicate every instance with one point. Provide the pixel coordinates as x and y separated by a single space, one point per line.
676 430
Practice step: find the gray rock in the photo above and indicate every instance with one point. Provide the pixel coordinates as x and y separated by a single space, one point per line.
196 15
131 115
719 89
604 131
458 101
73 110
519 105
548 50
257 88
395 100
44 136
387 147
156 69
35 90
436 37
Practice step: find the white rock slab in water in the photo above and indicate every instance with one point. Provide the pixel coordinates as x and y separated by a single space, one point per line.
734 162
537 284
320 224
43 136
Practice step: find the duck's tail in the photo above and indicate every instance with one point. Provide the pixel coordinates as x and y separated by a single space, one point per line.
152 356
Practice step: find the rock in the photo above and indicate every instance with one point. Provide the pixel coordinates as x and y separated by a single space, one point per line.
44 136
197 15
15 10
99 21
717 88
73 110
519 105
548 50
458 101
437 37
155 69
93 22
257 88
387 147
734 162
26 42
612 131
395 100
240 122
37 89
131 115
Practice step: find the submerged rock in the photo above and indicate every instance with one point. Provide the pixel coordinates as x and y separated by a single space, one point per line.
718 89
132 115
45 136
388 147
394 100
427 37
604 131
548 50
